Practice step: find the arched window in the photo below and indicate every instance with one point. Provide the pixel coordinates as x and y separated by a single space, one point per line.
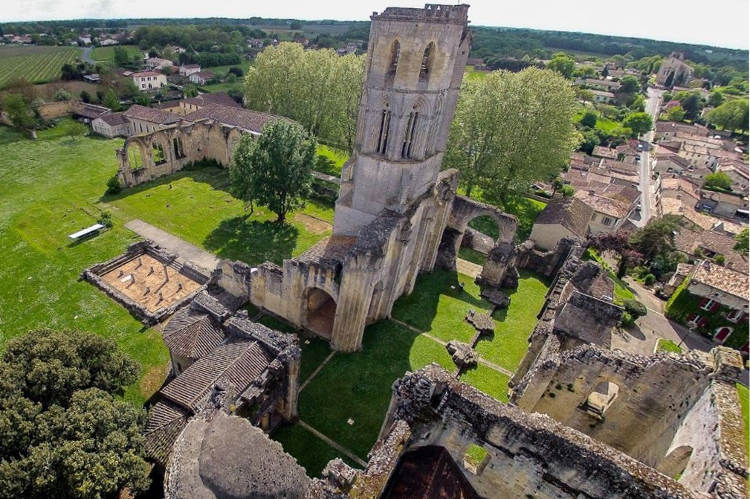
411 126
177 146
158 154
426 66
395 53
134 157
721 334
385 124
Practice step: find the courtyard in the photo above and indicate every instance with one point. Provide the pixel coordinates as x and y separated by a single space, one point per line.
55 185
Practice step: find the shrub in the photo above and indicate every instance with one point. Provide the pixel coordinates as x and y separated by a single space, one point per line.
635 308
627 320
720 259
105 219
62 95
113 185
649 279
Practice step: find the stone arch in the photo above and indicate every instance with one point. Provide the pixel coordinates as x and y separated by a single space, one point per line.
136 153
674 463
426 63
319 311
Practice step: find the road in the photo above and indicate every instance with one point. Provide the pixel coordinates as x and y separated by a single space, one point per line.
86 56
647 201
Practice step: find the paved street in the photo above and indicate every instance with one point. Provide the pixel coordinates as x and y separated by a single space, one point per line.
647 201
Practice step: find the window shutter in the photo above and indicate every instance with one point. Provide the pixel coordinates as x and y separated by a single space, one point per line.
714 306
703 302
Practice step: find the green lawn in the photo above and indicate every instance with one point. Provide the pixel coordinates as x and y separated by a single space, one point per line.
488 380
664 345
330 159
49 188
196 206
107 54
742 392
311 452
222 71
438 305
223 87
472 256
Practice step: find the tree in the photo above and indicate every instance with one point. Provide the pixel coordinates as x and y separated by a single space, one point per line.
65 435
62 95
274 170
718 181
732 115
589 119
190 90
85 96
691 102
715 99
111 100
19 113
512 129
563 64
142 98
741 245
638 104
639 123
657 237
317 88
590 139
676 113
617 242
629 84
121 57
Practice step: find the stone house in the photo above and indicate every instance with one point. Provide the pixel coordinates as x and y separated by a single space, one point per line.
188 69
668 129
198 102
201 77
729 205
149 80
717 285
111 125
86 112
612 205
143 119
737 171
603 97
710 244
597 84
158 63
564 218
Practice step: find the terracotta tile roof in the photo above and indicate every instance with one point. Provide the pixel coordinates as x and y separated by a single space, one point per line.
91 111
688 241
604 152
220 98
191 334
237 364
165 422
113 119
571 213
151 115
722 278
614 200
145 73
252 121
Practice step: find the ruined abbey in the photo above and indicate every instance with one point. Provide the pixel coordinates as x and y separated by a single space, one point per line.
586 418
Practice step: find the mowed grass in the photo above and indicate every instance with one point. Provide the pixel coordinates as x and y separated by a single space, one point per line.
107 54
48 189
664 345
742 393
36 64
330 160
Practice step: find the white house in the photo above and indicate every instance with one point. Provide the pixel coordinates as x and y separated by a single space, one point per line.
149 80
111 125
188 69
201 77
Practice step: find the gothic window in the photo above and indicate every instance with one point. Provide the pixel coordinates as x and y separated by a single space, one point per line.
395 53
134 157
425 67
409 131
177 146
385 124
158 154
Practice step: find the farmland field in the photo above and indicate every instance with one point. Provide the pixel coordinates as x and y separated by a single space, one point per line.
37 64
107 54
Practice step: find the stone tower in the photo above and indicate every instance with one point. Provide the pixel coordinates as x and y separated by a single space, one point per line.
415 63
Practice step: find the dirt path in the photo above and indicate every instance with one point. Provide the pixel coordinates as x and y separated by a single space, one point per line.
184 250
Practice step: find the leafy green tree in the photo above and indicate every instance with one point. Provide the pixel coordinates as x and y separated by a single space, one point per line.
741 244
629 84
563 64
676 113
732 115
718 181
19 113
62 95
121 57
589 119
275 169
715 99
63 433
589 140
111 100
85 96
657 237
190 90
666 96
638 103
317 88
691 102
639 123
511 129
143 99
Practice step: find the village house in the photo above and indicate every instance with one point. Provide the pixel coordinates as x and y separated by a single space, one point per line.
188 69
149 80
108 42
737 171
604 152
603 97
198 102
731 205
716 286
596 84
111 125
143 119
86 112
710 244
201 77
668 129
612 206
569 217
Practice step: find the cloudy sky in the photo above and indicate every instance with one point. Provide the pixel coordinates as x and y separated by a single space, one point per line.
717 22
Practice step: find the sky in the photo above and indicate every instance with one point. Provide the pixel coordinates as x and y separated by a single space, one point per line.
722 23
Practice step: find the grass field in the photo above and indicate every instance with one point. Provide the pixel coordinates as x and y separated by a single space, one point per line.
742 393
330 159
36 64
664 345
107 54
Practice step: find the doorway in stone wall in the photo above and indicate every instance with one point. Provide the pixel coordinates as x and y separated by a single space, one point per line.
320 308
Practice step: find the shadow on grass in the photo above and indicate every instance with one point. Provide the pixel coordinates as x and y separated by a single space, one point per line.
252 241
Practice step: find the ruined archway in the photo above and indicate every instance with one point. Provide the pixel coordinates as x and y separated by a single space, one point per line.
320 312
674 463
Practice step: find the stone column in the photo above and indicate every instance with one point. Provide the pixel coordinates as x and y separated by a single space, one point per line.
355 294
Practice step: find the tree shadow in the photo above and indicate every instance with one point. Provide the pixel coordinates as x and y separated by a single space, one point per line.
251 241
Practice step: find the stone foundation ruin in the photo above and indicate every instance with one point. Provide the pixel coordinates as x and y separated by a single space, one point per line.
148 281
